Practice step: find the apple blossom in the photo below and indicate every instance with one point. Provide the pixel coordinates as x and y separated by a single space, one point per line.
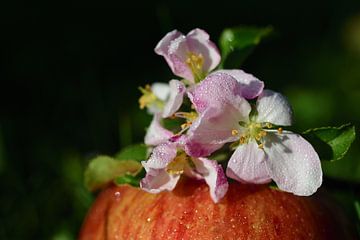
191 56
220 93
168 162
262 153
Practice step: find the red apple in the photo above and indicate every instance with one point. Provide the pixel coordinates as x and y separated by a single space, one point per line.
246 212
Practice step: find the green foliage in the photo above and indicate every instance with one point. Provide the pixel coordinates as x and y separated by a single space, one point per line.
331 143
237 43
130 179
104 169
137 152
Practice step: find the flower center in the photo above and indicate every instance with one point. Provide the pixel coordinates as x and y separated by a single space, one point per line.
195 63
148 98
252 130
178 165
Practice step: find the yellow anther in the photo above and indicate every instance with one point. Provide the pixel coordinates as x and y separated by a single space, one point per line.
280 130
268 125
242 139
178 165
147 98
186 125
234 132
195 63
261 146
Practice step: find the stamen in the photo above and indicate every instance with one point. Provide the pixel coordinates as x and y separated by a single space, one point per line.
186 125
147 98
261 146
195 63
186 115
234 132
242 140
177 166
280 130
268 125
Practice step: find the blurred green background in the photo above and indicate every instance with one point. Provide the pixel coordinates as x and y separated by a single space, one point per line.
69 90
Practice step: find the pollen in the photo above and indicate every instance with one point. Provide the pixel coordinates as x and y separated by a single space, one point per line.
280 130
147 98
178 165
234 132
195 63
186 125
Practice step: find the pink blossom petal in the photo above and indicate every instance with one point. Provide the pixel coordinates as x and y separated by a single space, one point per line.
247 164
199 42
293 163
178 53
274 108
212 129
219 89
161 90
251 87
196 149
159 180
162 48
161 156
177 91
214 176
157 134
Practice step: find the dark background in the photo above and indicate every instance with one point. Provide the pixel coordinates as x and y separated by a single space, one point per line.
69 83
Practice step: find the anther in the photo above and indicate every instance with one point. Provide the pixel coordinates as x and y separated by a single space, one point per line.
234 132
280 130
261 146
268 125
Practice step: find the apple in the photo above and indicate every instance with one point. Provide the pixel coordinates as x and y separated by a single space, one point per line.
246 212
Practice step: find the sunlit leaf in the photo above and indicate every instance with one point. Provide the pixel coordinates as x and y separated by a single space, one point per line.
136 152
237 43
331 143
103 169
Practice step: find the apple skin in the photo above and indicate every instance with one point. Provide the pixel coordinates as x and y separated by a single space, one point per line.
246 212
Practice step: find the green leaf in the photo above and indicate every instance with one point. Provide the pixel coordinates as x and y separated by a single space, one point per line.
237 43
136 152
103 169
331 143
130 179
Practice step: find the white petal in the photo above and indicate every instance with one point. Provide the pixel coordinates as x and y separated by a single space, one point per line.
159 180
161 90
247 164
293 163
251 87
177 91
161 156
214 176
178 53
162 48
274 108
157 134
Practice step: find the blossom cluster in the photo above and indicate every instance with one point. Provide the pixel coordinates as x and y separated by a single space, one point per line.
216 110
